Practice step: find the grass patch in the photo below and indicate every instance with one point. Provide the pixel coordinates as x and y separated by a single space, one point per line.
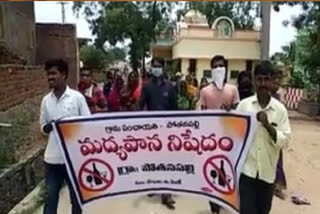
35 203
24 130
13 137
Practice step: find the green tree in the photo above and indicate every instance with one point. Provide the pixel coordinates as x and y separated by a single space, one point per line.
119 21
92 57
307 63
97 58
116 54
243 13
287 56
308 40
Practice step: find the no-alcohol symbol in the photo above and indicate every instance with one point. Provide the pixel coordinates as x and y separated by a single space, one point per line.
219 173
95 175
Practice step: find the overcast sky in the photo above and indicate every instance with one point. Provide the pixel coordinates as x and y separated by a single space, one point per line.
50 11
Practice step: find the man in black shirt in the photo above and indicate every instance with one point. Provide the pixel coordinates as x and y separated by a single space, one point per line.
159 95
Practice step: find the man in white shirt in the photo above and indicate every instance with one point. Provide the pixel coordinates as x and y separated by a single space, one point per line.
273 133
61 102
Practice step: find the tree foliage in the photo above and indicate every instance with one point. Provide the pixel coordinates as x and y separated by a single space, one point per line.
308 24
92 57
308 40
287 56
141 21
243 13
307 63
309 15
128 20
116 54
98 59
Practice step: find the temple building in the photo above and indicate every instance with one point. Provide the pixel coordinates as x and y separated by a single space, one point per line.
189 46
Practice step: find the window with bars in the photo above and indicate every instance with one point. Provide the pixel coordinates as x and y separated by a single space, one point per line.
249 65
234 74
207 74
192 66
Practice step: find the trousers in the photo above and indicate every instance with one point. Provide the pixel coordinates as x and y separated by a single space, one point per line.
255 195
55 176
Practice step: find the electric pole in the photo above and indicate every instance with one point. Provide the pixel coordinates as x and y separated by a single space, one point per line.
63 11
265 32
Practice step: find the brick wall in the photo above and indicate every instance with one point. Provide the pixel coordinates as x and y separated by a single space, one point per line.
59 41
19 29
18 83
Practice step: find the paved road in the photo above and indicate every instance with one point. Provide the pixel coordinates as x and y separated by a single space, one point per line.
302 166
139 205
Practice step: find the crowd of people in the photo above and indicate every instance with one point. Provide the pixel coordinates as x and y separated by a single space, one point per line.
128 93
257 92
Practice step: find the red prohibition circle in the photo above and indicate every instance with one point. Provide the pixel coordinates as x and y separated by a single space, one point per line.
83 169
209 162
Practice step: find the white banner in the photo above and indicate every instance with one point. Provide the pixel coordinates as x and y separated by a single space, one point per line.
197 153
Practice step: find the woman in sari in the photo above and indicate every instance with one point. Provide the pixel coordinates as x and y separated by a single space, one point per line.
132 93
183 101
203 83
114 98
191 89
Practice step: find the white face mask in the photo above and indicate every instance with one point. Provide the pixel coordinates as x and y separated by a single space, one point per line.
157 72
218 76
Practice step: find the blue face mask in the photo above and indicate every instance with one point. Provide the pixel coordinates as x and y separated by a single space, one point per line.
157 72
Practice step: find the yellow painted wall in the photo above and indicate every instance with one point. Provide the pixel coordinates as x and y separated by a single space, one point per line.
164 53
206 32
202 64
206 48
236 65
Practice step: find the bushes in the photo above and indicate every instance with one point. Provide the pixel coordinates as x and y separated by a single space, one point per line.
13 137
25 129
297 79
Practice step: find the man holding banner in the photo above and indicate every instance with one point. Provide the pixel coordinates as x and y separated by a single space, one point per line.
273 133
200 153
219 95
61 102
159 95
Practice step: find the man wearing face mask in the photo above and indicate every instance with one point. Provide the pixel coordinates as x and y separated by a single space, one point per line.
159 95
219 95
